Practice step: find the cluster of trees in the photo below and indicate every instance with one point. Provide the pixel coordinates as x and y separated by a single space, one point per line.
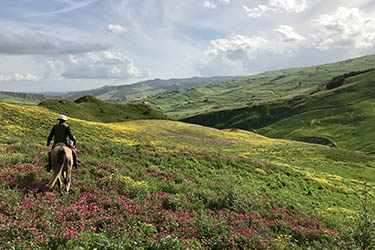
337 81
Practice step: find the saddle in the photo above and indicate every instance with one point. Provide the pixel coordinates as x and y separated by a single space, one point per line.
59 144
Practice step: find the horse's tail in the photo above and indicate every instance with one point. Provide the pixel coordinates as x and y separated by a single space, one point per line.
61 155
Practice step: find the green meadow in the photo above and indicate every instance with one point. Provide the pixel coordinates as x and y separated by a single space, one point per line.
343 115
162 184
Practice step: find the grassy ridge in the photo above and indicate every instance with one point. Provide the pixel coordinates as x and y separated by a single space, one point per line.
344 115
158 184
130 91
21 98
92 109
247 91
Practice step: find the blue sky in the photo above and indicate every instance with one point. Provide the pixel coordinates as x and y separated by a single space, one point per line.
68 45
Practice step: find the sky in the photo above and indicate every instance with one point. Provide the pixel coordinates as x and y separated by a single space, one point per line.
71 45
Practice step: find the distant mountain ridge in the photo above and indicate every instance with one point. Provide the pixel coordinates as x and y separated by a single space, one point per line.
25 98
123 93
247 91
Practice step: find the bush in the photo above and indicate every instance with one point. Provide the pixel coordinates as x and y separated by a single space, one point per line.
362 234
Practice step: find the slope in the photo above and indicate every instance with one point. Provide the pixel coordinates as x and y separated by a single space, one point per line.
127 92
343 115
159 184
251 90
21 98
91 109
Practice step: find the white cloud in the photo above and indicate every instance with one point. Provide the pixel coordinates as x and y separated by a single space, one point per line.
289 34
232 56
231 48
347 28
37 43
350 30
295 6
213 4
259 11
277 6
101 65
54 68
70 5
116 29
243 55
19 77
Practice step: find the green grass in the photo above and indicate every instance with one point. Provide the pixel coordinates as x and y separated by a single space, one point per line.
92 109
17 100
343 115
149 184
261 88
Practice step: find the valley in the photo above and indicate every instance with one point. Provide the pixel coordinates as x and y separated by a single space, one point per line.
246 179
343 115
252 90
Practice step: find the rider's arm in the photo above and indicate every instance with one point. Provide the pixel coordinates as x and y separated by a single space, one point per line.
50 136
71 137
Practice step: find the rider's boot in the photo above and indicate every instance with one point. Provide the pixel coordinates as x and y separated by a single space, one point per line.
76 162
48 167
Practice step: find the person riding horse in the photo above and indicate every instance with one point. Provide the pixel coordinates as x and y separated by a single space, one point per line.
61 132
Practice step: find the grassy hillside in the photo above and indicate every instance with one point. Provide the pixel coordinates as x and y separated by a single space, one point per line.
92 109
130 91
21 98
344 115
158 184
280 84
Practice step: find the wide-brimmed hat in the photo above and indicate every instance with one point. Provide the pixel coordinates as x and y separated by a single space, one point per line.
62 117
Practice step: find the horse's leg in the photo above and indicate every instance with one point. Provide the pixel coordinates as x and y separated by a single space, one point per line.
60 183
57 177
54 180
68 180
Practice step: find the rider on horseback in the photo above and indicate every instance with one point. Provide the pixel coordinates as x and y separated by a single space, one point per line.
61 132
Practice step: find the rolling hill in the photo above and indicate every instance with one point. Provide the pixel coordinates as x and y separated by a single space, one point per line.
343 115
161 184
246 91
123 93
92 109
21 98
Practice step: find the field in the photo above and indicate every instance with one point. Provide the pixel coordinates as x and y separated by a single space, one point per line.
90 108
343 115
16 100
159 184
247 91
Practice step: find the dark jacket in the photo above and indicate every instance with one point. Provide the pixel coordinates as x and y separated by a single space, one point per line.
61 132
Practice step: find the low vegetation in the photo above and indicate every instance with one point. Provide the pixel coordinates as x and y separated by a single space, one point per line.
92 109
159 184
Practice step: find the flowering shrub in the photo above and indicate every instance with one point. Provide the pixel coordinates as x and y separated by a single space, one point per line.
109 206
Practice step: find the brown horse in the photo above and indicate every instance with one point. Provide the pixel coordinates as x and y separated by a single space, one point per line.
62 163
